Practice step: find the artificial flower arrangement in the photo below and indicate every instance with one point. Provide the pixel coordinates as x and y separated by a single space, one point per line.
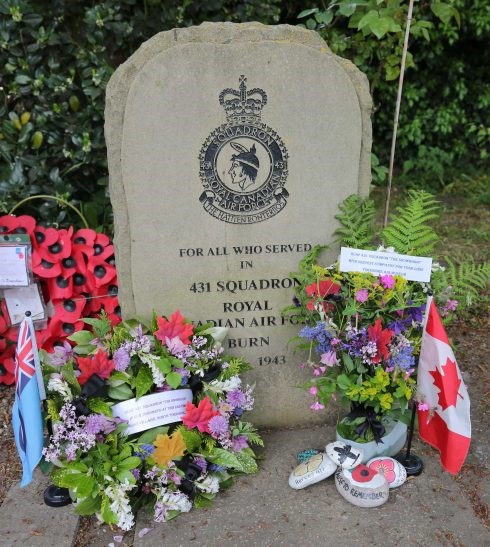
363 331
167 469
77 276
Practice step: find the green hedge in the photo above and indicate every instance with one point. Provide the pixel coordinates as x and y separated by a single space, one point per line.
56 58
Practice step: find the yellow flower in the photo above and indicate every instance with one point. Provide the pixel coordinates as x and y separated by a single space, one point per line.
168 448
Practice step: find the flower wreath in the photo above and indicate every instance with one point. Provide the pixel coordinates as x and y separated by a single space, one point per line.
168 468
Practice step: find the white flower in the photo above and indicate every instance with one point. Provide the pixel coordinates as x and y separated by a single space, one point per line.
218 333
57 384
209 484
227 385
158 377
120 504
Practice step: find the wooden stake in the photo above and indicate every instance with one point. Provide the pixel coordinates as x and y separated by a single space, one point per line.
397 111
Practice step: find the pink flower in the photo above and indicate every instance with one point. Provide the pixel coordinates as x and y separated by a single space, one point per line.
388 281
317 406
362 295
175 345
329 358
423 406
313 390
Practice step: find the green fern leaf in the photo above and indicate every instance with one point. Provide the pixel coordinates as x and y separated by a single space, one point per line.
409 231
356 219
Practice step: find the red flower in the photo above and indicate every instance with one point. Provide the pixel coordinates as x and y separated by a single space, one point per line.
362 473
382 337
7 371
99 364
10 224
174 327
320 291
199 416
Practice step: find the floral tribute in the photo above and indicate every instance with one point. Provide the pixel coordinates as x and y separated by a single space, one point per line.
167 469
363 331
77 273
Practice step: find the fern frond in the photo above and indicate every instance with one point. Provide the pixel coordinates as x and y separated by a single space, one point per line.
409 231
467 280
356 219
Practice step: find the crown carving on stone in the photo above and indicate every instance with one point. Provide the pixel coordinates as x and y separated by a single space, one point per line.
241 105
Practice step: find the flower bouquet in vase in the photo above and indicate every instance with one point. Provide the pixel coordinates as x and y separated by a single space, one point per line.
362 330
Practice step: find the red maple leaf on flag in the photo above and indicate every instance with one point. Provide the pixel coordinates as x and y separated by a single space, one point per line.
175 327
447 383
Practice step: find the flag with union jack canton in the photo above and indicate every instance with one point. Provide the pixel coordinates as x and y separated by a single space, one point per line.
26 412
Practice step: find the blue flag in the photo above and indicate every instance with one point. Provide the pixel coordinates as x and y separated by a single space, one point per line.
26 412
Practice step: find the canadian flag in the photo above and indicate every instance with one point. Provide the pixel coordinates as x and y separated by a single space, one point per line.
444 420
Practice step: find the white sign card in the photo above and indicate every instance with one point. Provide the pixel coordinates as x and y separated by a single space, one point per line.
413 268
22 299
13 266
153 410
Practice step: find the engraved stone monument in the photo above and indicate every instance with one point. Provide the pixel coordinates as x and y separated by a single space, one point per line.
230 147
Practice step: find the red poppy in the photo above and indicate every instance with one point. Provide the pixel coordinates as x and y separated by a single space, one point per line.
382 337
69 309
7 371
320 291
60 249
102 267
10 224
174 327
106 298
199 416
59 328
44 268
60 287
362 473
99 364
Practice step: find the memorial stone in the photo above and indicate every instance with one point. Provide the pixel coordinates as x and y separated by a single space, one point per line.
230 147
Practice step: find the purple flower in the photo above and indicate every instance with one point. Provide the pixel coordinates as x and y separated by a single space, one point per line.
239 443
362 295
202 463
98 423
387 281
218 425
236 397
60 355
121 359
329 359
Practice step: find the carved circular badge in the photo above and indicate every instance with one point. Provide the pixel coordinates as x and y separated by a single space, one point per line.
243 163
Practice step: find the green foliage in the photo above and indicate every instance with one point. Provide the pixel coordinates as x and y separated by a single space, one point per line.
410 231
56 58
356 219
446 95
467 280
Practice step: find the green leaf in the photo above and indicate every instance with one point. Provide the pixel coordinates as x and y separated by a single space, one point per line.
311 24
144 381
249 465
348 362
379 27
107 515
164 365
201 502
343 382
120 393
149 436
324 17
348 8
83 337
86 486
22 79
99 406
88 506
129 463
173 379
191 437
445 12
307 12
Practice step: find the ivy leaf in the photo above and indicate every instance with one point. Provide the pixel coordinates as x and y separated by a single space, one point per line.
144 381
164 365
88 506
173 379
120 393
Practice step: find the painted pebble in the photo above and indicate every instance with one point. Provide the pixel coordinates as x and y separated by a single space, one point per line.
391 469
344 454
315 469
362 486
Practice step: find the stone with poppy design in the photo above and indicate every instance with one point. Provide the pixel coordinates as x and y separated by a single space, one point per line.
311 471
344 454
391 469
362 486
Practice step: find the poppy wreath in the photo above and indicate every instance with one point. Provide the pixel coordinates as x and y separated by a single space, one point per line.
77 274
111 463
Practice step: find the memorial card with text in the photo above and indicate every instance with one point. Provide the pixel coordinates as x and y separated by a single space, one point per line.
230 147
